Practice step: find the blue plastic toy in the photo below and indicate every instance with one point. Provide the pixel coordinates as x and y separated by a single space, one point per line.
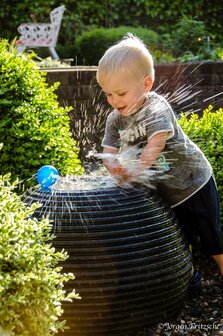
47 176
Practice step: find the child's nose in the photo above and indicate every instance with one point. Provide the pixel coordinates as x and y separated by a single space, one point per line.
115 100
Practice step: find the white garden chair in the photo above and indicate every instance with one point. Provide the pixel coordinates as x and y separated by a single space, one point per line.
41 34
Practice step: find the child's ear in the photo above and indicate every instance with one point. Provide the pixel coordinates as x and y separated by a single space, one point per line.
148 83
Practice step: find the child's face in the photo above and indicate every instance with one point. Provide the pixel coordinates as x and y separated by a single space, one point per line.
126 94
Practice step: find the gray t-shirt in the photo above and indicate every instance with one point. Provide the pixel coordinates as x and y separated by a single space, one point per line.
181 169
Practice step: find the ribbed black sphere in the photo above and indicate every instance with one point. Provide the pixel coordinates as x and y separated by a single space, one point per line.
127 253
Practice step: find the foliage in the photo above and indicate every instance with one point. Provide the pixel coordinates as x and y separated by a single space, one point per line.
92 45
190 41
34 129
207 53
207 133
13 14
31 282
188 32
83 16
49 62
165 14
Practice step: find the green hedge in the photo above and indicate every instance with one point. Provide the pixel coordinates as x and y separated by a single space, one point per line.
207 133
92 45
31 281
34 129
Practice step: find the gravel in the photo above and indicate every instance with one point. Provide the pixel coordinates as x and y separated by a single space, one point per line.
202 313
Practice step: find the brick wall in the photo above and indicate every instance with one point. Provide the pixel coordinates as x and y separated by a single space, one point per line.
195 82
191 87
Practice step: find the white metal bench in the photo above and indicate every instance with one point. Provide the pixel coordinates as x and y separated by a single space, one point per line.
41 34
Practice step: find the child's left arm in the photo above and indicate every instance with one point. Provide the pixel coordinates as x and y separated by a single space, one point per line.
153 149
148 157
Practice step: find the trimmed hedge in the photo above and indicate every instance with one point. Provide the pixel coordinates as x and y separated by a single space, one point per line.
92 45
207 133
34 129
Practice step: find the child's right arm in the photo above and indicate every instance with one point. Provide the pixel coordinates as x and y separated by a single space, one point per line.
110 163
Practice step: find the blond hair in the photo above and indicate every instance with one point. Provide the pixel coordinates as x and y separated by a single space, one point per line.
130 55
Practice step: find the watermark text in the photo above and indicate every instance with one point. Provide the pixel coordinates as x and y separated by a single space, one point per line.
190 326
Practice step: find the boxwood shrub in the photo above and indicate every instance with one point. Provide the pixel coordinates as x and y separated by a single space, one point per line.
31 282
92 45
207 133
34 129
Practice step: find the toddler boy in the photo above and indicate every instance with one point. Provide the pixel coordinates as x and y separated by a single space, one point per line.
144 121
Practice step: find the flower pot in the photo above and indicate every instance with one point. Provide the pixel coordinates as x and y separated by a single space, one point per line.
127 253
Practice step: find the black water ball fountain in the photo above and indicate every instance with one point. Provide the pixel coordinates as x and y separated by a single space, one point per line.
126 250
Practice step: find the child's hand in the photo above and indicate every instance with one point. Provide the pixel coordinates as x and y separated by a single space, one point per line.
123 171
123 174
